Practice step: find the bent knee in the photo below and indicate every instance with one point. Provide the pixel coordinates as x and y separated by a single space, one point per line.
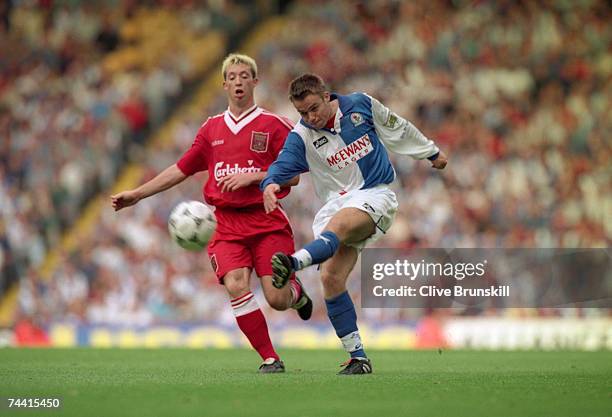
278 303
277 299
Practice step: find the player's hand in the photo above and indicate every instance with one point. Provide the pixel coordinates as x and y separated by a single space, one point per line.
440 162
235 181
124 199
269 197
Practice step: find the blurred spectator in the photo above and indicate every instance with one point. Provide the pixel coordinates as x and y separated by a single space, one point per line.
107 38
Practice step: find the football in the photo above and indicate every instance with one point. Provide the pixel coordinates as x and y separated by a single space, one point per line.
192 224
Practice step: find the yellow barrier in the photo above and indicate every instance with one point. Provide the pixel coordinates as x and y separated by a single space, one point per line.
8 304
301 337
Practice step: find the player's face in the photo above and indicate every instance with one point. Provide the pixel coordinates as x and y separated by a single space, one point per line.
315 109
239 83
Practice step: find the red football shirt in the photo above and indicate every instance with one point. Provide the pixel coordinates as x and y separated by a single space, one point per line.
225 145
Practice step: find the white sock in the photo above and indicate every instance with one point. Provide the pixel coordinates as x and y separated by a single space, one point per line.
303 259
352 342
244 304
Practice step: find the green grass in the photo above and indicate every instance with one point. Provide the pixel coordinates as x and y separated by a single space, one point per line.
180 382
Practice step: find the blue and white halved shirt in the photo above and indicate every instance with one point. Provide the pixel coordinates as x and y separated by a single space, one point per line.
352 155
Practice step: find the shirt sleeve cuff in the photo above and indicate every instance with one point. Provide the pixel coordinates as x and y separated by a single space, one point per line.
266 181
434 156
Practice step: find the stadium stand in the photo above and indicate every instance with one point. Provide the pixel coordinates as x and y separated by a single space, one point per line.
81 87
525 122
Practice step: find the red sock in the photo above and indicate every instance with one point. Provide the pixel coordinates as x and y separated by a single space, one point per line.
296 290
253 324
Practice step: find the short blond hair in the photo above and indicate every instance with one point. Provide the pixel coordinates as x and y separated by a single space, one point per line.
234 58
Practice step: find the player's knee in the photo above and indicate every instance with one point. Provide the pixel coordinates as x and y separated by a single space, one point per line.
236 285
277 302
277 299
331 282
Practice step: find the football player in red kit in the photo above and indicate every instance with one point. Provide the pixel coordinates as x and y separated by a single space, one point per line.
236 147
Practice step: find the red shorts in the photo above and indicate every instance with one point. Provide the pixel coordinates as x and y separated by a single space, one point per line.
253 252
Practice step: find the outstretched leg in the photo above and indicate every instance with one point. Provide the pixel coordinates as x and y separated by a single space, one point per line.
331 249
349 225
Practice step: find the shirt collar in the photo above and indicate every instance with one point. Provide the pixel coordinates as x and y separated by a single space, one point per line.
242 115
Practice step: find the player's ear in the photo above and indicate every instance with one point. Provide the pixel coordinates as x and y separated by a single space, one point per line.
326 96
255 81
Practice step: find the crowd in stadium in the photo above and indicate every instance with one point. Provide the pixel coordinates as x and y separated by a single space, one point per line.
80 88
516 93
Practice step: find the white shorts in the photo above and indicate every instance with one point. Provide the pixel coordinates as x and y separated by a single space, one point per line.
379 202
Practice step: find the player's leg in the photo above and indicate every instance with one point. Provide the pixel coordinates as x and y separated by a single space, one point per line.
279 298
354 219
295 297
232 263
290 296
335 271
341 310
251 320
349 225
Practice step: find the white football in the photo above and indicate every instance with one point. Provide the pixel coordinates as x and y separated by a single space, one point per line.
192 224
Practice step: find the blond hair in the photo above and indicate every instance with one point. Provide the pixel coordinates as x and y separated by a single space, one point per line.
234 58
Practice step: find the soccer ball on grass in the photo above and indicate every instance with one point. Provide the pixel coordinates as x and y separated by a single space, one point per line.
192 224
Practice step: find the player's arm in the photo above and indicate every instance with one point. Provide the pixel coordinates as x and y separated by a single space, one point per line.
237 181
400 136
168 178
290 163
292 182
192 161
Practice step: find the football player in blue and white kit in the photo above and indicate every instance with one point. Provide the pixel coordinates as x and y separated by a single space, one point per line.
342 141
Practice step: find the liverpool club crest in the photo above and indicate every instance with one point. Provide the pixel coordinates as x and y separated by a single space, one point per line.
259 141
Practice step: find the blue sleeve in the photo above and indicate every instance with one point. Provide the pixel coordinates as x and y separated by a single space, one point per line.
291 161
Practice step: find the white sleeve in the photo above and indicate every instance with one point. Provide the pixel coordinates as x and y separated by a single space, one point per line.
399 135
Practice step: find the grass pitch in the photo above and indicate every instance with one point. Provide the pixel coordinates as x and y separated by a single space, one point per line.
181 382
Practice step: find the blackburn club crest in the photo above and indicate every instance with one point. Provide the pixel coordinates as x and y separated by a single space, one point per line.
356 119
259 141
